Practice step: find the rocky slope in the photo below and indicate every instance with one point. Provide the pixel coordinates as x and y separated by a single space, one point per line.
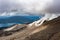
49 30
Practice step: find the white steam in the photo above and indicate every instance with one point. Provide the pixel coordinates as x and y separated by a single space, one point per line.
47 17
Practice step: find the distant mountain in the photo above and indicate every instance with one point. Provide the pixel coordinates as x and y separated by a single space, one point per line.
8 21
19 19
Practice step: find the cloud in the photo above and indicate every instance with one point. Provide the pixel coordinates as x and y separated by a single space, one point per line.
54 7
8 5
31 6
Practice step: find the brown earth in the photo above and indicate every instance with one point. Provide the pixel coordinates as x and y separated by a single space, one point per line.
48 31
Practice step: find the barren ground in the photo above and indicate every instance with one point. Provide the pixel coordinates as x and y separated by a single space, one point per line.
48 31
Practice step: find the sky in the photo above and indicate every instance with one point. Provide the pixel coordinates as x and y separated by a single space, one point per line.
32 6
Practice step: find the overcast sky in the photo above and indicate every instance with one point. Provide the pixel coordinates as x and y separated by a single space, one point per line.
51 6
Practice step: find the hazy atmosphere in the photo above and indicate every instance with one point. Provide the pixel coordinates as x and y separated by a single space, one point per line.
39 6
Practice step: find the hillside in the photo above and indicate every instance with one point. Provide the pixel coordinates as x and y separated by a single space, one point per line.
49 30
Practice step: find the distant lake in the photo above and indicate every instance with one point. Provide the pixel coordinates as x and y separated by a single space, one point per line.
7 21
